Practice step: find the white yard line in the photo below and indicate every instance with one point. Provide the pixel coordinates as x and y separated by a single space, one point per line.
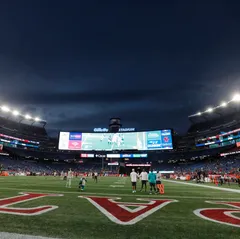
117 186
204 186
6 235
120 183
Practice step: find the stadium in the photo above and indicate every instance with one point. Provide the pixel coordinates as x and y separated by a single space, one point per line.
200 179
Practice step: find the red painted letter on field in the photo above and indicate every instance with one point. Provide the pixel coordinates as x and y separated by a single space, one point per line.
127 213
227 216
6 202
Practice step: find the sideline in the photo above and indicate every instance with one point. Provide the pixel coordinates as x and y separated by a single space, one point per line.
7 235
204 186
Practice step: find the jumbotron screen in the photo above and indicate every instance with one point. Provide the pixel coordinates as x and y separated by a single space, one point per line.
150 140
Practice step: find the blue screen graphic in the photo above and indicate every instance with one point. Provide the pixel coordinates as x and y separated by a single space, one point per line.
161 139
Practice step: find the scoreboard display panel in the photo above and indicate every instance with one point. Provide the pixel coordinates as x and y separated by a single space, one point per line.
150 140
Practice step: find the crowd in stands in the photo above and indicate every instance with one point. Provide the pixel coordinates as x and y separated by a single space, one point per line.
228 165
48 168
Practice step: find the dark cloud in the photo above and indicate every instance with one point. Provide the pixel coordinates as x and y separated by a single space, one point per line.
143 119
109 95
76 65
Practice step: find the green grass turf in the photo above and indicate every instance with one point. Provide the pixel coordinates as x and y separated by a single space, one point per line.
77 218
93 141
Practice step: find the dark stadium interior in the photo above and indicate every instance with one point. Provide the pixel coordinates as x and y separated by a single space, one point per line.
186 157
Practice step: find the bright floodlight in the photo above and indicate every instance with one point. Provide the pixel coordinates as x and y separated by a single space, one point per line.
209 109
5 109
199 113
37 119
236 97
28 117
15 112
224 104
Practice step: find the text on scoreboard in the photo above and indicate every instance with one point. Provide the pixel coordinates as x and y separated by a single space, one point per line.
114 155
150 140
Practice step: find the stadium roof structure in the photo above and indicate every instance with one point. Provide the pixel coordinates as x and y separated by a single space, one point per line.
15 115
225 108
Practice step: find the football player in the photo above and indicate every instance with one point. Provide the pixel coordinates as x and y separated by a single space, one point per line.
69 178
95 177
133 176
82 183
144 179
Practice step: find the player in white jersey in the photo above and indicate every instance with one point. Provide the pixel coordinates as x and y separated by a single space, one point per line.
119 141
115 140
139 144
69 178
102 137
62 175
133 176
95 177
144 179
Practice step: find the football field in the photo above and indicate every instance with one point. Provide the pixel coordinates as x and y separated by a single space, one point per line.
108 209
95 141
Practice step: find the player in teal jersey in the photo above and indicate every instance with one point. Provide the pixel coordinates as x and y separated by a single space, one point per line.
152 181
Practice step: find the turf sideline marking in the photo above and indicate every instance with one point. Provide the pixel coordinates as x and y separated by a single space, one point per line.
120 183
7 235
117 194
204 186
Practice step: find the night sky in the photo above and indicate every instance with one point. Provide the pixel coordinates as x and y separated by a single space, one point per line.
152 63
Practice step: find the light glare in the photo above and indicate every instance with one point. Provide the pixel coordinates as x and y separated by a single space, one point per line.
236 97
15 112
5 109
210 109
37 119
224 104
28 117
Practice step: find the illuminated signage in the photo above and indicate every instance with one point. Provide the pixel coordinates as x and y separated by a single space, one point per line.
100 155
149 140
113 164
113 155
230 153
138 165
87 155
100 130
19 139
127 155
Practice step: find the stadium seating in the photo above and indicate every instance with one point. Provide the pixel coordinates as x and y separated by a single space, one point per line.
213 123
18 129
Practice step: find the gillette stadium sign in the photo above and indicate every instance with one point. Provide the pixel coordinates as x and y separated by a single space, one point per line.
100 130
